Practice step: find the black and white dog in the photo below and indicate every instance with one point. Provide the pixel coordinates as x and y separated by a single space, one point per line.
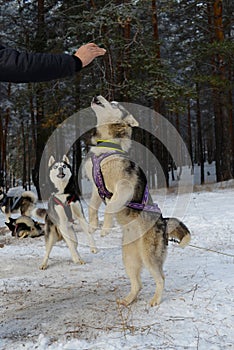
22 203
64 208
24 226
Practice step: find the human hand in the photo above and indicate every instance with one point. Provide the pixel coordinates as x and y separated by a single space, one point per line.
86 53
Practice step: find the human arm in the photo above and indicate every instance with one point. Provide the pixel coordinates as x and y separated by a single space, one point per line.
24 67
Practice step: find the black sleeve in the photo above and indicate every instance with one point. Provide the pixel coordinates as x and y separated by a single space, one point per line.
24 67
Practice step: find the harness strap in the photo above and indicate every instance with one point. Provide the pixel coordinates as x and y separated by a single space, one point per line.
68 202
104 193
16 201
143 205
57 201
97 174
66 206
71 199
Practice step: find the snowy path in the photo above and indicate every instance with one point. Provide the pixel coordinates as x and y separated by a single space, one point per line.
74 307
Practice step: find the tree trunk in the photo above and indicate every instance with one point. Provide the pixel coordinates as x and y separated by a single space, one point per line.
158 148
223 134
1 154
4 135
199 138
189 141
24 179
41 136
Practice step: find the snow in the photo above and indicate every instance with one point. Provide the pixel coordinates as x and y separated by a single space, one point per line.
72 306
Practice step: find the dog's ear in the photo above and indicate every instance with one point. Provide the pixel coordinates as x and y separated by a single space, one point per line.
51 161
65 159
131 120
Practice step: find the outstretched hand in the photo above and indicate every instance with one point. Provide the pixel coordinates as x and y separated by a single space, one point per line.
88 52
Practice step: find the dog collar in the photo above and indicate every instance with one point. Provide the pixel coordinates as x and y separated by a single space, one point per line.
109 144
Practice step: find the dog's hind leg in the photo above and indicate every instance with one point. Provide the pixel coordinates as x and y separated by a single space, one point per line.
68 235
133 265
154 266
51 239
78 213
94 205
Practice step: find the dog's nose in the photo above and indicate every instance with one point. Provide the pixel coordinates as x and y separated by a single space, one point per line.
95 99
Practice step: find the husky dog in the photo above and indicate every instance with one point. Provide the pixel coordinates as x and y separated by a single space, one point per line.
64 208
24 226
123 186
23 203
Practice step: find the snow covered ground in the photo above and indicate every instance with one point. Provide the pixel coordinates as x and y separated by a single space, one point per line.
74 307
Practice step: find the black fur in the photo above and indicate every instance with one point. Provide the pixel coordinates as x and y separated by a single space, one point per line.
18 228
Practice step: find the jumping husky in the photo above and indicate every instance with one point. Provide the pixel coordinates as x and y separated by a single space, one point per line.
122 185
64 208
20 203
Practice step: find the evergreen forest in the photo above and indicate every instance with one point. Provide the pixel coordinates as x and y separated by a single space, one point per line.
173 56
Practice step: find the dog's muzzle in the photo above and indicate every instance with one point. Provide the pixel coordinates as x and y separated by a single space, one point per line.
96 101
61 173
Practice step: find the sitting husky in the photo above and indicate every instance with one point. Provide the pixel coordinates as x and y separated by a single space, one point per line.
63 208
122 185
24 226
22 203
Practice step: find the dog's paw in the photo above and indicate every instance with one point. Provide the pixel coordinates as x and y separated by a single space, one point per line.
93 226
92 229
94 250
80 262
155 301
122 302
43 267
104 232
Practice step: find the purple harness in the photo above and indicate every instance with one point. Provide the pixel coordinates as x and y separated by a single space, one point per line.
104 193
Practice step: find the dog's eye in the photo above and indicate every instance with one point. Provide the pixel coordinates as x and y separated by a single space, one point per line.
55 166
64 166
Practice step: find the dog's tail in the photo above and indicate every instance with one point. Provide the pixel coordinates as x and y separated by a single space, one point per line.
39 213
30 196
177 232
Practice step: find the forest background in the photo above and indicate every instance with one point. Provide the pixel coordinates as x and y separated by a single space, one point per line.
174 56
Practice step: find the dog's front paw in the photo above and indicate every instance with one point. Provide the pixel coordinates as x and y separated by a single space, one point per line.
123 302
104 232
92 228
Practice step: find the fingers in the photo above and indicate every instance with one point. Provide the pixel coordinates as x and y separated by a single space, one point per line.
88 52
95 49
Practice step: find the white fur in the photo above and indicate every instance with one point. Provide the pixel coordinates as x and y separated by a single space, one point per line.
63 228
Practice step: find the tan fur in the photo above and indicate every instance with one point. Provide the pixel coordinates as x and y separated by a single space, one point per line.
30 194
145 234
27 204
25 219
178 231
